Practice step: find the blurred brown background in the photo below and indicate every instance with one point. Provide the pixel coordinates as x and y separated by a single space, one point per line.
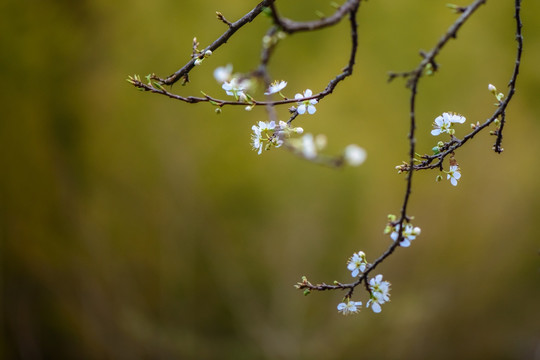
138 227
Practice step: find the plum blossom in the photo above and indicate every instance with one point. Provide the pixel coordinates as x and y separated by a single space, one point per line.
409 234
235 88
306 105
350 307
357 263
453 175
288 130
380 293
276 87
263 136
443 123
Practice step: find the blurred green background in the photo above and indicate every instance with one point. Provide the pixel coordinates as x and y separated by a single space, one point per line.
137 227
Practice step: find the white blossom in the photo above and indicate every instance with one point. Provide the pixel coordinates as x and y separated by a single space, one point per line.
443 123
456 118
306 105
380 293
453 175
276 87
409 234
223 73
263 133
355 155
287 129
234 88
357 263
350 307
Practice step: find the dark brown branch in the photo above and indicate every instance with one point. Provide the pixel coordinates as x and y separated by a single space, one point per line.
233 27
156 87
290 26
414 78
350 8
429 58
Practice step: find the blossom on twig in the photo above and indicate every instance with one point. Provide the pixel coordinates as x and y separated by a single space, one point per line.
276 87
263 136
235 88
453 175
350 307
357 263
443 123
409 234
306 105
380 293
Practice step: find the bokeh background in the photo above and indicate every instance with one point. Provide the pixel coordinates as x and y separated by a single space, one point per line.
137 227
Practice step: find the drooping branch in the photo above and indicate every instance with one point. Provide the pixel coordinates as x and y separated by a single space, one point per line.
429 58
155 84
414 77
233 27
427 65
290 26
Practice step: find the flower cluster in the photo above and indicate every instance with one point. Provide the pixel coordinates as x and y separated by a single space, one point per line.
233 84
357 263
408 231
267 134
380 293
349 307
444 123
379 290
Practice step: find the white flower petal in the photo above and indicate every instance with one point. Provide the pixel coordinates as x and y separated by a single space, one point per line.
405 243
376 307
